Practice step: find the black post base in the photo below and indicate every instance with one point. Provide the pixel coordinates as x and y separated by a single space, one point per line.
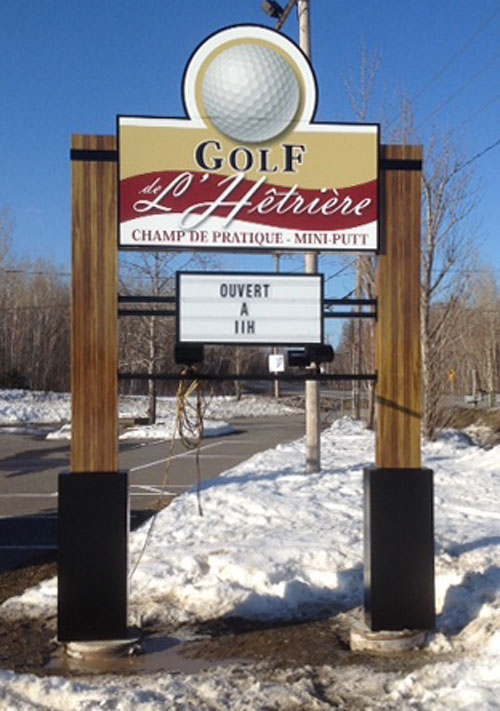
399 549
93 537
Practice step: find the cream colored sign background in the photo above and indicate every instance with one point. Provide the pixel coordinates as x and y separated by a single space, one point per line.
336 158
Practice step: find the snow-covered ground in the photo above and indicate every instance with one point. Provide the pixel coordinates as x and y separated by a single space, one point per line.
275 543
27 408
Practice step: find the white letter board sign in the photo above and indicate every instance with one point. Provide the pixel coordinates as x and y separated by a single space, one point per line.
249 308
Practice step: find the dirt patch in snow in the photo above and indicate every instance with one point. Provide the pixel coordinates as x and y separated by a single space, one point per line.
15 582
29 645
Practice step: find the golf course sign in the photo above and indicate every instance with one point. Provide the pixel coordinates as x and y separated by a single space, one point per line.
248 168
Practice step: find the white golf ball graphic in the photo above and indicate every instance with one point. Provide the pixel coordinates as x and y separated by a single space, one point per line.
251 93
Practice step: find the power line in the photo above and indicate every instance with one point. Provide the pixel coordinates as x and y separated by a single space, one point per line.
450 61
476 113
460 51
460 89
477 156
340 271
472 271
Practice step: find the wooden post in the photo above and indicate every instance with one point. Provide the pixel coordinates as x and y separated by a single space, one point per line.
397 340
95 307
399 535
93 498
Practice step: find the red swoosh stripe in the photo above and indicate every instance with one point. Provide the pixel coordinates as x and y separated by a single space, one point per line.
203 190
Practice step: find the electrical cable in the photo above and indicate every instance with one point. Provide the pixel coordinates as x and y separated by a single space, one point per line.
476 113
189 425
449 62
350 265
477 156
459 90
460 51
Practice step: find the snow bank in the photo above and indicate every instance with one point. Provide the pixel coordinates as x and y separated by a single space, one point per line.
26 406
163 430
19 407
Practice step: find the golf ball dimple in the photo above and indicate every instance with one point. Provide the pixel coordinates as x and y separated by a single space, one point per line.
251 93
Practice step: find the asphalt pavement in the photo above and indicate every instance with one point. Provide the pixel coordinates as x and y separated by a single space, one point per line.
30 466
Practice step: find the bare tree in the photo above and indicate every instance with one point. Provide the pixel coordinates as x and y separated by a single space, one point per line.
6 229
448 250
480 343
5 245
360 90
147 342
489 316
34 324
448 199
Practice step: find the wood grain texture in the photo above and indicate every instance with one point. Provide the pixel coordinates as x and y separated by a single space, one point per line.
398 356
94 311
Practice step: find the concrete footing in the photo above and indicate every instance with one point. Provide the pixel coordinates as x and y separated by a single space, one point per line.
362 639
103 650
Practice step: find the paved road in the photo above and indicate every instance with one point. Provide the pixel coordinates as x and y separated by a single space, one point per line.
30 466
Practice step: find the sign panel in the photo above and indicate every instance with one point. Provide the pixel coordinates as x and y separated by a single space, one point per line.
254 309
248 168
276 363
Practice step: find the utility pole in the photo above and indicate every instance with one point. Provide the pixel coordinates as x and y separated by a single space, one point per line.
313 451
304 13
313 454
277 389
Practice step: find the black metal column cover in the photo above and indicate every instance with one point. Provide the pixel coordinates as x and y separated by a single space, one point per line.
399 549
93 536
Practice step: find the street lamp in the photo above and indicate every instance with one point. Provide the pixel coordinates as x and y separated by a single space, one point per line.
272 8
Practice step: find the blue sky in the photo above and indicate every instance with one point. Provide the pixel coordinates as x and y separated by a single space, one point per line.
71 67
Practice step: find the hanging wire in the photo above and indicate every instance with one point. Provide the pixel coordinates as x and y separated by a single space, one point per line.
190 420
484 107
449 62
189 425
458 91
477 156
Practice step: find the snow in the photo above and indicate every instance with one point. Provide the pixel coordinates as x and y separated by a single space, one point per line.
276 544
26 408
163 429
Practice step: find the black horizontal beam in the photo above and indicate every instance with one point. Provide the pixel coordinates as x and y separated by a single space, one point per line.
124 299
93 155
350 302
349 314
145 312
138 299
400 164
298 377
162 312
